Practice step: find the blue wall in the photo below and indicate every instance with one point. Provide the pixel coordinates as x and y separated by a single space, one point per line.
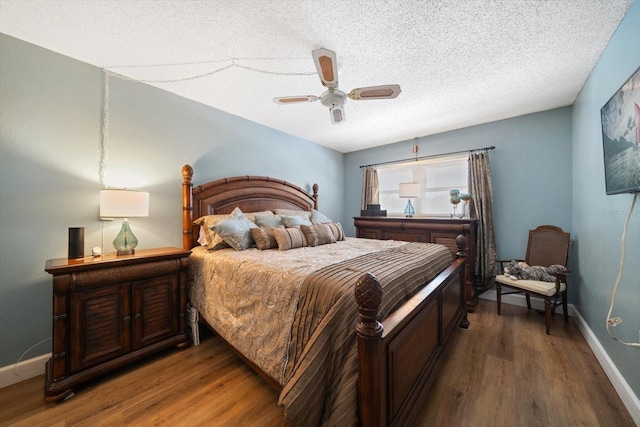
531 172
50 139
598 219
547 168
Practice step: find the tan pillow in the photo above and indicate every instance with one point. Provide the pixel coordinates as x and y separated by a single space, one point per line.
264 237
214 241
318 234
292 212
337 230
289 238
252 215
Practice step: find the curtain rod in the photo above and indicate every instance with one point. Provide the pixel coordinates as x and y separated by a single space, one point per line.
429 157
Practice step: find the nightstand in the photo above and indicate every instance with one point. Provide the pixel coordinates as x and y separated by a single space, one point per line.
112 310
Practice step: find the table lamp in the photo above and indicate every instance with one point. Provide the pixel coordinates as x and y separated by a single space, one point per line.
124 204
409 190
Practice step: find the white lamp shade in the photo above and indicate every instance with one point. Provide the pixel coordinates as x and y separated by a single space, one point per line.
410 190
123 204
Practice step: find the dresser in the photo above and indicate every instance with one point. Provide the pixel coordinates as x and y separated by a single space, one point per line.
429 230
112 310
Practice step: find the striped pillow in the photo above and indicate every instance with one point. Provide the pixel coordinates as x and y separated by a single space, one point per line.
264 237
337 230
318 234
289 238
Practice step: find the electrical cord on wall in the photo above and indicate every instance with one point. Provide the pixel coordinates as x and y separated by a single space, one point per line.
615 321
15 366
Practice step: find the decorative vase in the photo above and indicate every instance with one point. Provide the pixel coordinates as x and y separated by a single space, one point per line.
455 200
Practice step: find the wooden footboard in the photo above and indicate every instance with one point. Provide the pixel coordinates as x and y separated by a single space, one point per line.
397 358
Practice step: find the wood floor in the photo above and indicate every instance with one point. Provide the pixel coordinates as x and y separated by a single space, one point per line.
504 371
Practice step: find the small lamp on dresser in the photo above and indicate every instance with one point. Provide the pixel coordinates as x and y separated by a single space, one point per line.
124 204
409 190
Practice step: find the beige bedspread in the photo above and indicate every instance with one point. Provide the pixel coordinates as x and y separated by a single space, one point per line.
250 297
255 299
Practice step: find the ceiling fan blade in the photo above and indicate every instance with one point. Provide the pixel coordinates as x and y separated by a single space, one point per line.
337 115
295 99
375 92
327 67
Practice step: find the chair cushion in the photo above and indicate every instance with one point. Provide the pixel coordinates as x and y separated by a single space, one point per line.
536 286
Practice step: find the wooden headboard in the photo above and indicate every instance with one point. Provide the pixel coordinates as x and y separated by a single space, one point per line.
249 193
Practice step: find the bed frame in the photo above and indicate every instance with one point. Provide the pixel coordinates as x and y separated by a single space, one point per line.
397 357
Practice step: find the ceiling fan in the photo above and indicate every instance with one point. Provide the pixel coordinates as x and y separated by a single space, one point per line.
334 98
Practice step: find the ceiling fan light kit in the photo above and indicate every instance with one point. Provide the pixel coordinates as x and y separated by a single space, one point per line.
333 98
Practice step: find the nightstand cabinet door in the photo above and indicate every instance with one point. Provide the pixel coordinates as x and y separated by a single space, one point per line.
154 317
100 325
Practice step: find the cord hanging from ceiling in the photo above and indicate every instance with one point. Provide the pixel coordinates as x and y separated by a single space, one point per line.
104 145
233 64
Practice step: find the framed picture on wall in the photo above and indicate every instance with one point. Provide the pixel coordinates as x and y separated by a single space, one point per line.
621 138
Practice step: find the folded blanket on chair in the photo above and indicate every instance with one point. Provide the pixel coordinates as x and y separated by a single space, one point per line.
520 270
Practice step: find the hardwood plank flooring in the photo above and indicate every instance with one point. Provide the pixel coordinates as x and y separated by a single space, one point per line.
504 371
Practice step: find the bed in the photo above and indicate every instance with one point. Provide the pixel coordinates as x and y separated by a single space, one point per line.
338 357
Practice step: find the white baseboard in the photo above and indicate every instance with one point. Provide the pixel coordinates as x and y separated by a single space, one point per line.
628 397
22 371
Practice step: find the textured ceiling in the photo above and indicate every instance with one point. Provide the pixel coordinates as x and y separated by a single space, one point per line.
459 62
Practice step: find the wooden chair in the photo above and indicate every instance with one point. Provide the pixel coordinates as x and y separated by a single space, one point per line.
548 245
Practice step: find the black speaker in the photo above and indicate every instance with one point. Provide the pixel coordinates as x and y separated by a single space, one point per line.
76 242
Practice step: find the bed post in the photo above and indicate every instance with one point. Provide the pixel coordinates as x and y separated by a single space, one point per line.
461 243
315 196
368 292
187 207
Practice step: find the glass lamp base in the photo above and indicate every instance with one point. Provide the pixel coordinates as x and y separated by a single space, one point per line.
409 211
125 251
125 242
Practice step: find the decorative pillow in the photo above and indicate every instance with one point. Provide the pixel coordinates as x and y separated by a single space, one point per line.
318 218
207 222
252 215
202 237
520 270
267 220
291 221
236 231
318 234
292 212
289 238
264 237
336 229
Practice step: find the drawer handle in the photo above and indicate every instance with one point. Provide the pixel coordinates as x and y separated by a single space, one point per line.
127 319
138 315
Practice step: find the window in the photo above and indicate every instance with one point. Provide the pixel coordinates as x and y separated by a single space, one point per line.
436 178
